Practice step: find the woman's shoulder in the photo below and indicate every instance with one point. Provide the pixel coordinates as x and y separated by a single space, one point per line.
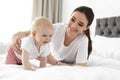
83 37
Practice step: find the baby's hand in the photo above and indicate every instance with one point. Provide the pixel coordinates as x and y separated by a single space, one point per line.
30 68
33 69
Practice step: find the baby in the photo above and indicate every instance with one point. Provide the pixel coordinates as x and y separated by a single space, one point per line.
34 46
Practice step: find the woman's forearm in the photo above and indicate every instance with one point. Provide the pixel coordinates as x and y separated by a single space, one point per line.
21 34
51 60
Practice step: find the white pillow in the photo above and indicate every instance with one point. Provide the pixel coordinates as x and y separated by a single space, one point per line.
106 47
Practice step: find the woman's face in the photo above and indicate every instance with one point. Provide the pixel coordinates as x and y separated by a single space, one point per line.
77 24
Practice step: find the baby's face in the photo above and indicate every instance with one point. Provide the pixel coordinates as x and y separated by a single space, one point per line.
43 37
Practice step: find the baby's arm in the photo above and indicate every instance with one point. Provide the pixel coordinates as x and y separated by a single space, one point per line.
43 61
25 61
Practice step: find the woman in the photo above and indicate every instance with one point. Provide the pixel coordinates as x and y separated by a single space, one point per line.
71 43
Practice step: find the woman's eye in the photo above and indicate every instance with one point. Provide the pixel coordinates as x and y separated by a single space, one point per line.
80 25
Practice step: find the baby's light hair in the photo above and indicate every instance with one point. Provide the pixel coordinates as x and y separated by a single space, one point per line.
40 22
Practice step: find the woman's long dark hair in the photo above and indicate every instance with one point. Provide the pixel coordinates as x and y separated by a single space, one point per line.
90 16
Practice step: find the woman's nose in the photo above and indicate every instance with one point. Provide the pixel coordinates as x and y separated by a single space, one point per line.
74 25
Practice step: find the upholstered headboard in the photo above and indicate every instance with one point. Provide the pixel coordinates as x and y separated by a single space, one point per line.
109 26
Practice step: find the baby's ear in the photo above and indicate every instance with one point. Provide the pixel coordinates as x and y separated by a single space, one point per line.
33 33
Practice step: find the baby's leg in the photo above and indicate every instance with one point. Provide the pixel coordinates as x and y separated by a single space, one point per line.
11 57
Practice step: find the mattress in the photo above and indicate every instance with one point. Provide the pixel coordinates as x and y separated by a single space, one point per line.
96 69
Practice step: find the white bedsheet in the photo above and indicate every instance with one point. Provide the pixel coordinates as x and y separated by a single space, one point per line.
97 69
98 61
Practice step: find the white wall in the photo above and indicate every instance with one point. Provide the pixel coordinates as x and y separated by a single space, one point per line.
15 15
106 8
101 8
70 5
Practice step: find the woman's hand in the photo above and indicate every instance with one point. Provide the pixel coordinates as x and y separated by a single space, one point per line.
60 63
16 42
80 64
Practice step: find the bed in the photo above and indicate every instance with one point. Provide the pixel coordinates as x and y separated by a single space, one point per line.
103 63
